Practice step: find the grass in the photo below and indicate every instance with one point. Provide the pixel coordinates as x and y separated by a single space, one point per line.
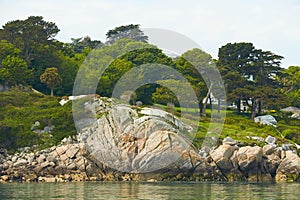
240 127
19 110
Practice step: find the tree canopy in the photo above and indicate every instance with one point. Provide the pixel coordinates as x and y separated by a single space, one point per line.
51 78
249 73
131 31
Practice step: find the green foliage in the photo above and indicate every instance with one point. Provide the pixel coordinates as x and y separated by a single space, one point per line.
292 134
290 82
29 34
175 92
164 95
131 31
20 110
51 78
249 75
7 49
15 71
82 45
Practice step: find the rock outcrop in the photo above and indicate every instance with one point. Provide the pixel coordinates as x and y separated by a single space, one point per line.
131 144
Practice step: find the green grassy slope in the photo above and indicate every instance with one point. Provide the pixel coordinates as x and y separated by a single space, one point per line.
19 110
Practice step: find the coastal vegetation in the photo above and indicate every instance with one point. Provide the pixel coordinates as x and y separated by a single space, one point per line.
31 57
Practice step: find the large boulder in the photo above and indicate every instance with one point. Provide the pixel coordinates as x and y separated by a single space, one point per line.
266 119
221 157
289 168
149 141
249 158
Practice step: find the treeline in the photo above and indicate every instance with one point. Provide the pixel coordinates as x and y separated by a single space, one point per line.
28 47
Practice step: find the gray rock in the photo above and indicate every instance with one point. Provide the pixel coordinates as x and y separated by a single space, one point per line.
203 153
286 147
72 151
259 139
229 141
3 152
295 116
47 129
35 126
270 140
266 119
51 159
124 141
14 158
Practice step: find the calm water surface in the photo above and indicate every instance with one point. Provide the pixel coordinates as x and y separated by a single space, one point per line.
130 190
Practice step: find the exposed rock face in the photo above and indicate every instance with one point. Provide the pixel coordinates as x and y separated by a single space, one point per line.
289 168
128 143
221 157
124 144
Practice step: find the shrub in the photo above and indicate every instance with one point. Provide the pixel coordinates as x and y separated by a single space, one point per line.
292 134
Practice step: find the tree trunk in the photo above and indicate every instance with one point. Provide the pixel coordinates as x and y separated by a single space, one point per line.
238 105
201 105
210 102
219 105
203 113
51 91
254 106
259 107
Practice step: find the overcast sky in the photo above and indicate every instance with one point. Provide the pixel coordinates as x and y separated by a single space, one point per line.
269 24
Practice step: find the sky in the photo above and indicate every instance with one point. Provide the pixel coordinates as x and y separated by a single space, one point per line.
272 25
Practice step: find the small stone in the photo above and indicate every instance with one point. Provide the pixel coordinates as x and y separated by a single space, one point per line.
14 158
270 140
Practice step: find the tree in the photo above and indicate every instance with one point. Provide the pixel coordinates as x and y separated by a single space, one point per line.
120 57
29 34
35 38
51 78
235 57
198 68
7 49
131 31
290 82
78 45
175 92
263 67
248 73
15 71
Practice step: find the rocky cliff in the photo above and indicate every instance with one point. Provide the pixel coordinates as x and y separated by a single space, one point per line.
134 144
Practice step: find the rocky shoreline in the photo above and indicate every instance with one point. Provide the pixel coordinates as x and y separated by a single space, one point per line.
72 162
128 144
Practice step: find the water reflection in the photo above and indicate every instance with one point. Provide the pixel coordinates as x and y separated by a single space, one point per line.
131 190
